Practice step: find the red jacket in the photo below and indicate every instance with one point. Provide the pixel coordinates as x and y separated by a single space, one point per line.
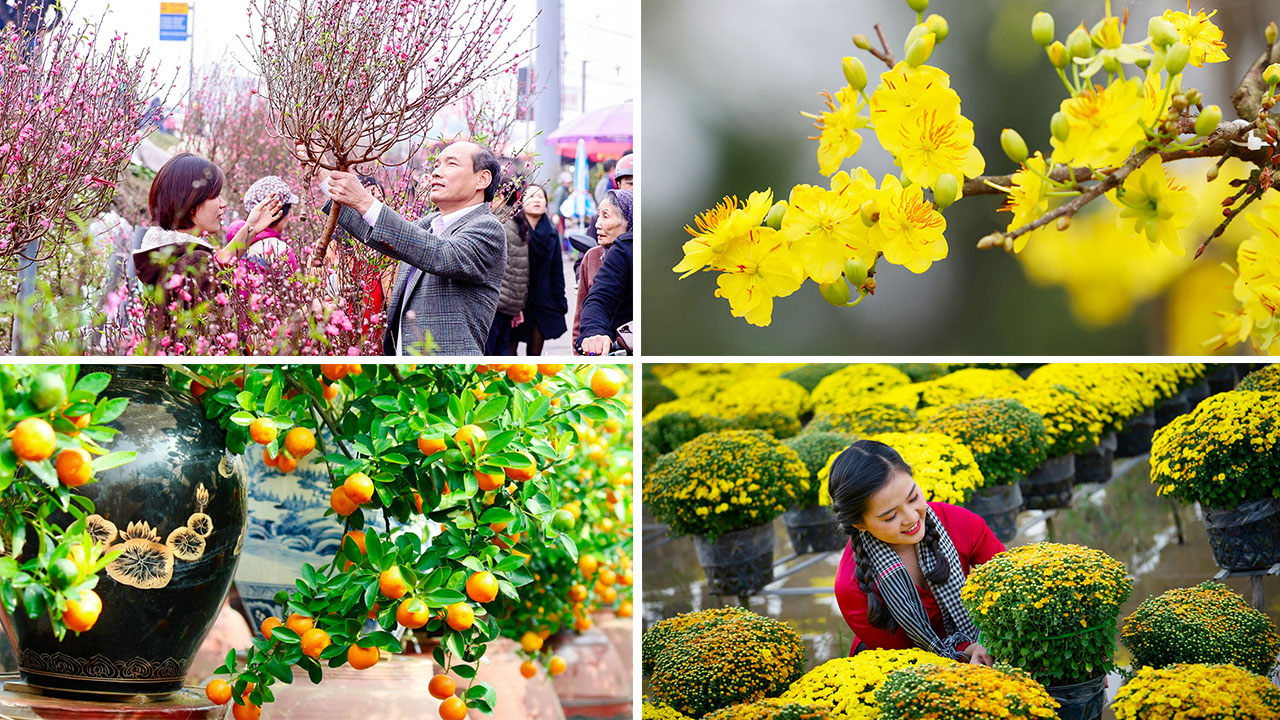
975 544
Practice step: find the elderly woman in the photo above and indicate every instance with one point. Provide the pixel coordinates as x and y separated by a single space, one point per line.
608 302
180 252
610 223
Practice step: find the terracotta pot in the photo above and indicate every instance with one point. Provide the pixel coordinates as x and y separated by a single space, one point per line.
621 632
178 511
518 697
394 689
595 683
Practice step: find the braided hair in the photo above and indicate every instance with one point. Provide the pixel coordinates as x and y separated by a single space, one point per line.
858 473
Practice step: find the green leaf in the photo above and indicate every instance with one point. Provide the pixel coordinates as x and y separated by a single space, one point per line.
245 400
396 458
113 460
243 417
500 441
492 408
466 672
280 671
273 396
314 671
93 383
569 546
509 563
44 470
539 409
386 403
386 641
108 410
442 596
285 635
594 412
497 515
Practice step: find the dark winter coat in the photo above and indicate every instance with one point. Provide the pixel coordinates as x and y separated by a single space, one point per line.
608 303
515 279
546 305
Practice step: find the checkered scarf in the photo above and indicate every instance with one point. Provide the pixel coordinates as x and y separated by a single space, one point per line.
899 592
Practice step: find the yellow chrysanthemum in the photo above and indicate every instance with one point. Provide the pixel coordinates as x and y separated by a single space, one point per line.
755 271
933 142
1104 125
720 228
1028 197
1202 36
824 227
909 230
1157 206
839 125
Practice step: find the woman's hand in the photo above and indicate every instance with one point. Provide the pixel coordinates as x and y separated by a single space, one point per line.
518 320
978 655
261 217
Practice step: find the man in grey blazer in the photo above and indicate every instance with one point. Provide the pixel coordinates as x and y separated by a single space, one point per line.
451 261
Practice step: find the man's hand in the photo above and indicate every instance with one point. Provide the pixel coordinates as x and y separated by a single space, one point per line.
596 345
300 152
345 188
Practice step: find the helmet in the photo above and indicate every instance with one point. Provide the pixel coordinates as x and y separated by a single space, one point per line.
625 168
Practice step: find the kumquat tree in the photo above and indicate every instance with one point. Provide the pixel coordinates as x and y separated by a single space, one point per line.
1135 169
490 455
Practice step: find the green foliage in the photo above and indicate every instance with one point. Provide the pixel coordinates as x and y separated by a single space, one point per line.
814 450
810 375
653 394
1208 624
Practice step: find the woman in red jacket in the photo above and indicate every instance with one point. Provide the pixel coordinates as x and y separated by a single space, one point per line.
898 584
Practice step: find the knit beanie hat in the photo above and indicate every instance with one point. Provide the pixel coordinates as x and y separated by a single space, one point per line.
264 188
622 199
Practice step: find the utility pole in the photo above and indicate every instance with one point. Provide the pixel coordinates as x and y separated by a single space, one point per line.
584 86
547 65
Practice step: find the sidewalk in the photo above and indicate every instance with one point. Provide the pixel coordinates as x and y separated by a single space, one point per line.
563 344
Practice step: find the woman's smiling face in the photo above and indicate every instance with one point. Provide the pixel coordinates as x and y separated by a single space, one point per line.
896 512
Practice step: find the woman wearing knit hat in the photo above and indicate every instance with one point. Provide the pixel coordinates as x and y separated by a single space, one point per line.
610 224
269 244
608 303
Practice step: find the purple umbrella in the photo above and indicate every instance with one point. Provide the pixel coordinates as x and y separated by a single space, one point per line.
609 124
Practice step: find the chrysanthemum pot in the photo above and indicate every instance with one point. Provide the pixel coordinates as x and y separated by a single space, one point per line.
1051 485
1135 438
1095 465
1245 537
999 505
178 513
813 529
738 562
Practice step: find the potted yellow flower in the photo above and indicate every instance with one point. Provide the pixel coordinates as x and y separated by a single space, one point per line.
927 692
1071 426
811 526
1204 692
847 685
1223 456
1051 610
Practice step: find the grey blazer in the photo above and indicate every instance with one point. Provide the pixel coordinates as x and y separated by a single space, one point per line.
455 295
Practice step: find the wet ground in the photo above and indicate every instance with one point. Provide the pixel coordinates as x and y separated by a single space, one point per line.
1123 518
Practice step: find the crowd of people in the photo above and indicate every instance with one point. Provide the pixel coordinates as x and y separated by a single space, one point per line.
472 282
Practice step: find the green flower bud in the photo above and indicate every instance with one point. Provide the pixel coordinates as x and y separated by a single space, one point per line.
1060 126
1042 29
869 212
1208 120
776 214
1079 44
1143 62
836 293
1013 144
1111 64
861 42
917 31
1271 75
1179 102
1176 60
1058 54
1193 96
946 190
856 271
918 5
1162 32
920 50
938 26
855 72
1271 33
1153 228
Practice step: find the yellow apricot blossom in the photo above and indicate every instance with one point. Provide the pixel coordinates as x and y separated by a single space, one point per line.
1202 36
839 125
910 229
904 90
1155 204
1028 198
824 226
933 142
1103 123
754 272
720 228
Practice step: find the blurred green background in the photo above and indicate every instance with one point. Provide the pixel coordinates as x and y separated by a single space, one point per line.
723 84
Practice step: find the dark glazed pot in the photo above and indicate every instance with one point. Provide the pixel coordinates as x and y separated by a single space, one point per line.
178 511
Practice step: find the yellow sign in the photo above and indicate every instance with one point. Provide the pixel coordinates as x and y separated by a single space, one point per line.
173 8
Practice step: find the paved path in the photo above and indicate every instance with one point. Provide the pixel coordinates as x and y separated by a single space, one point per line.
563 344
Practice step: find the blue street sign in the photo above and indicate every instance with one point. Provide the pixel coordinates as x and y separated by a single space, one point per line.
173 26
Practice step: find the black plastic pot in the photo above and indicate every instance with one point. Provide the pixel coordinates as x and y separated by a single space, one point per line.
1135 439
1223 379
178 511
999 506
1051 485
1197 393
1245 537
1171 408
1082 701
813 529
738 562
1095 466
